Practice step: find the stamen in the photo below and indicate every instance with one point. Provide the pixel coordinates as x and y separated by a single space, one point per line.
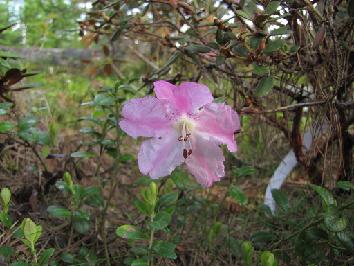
185 128
187 136
185 153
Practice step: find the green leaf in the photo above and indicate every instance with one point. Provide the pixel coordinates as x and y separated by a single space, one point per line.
140 251
247 252
69 182
181 179
326 196
81 221
7 252
244 14
45 256
144 207
214 233
220 37
103 100
130 232
272 7
139 262
255 41
213 45
5 196
263 237
150 194
221 99
346 240
81 226
273 45
266 211
92 196
235 246
240 50
58 211
83 154
68 258
5 107
294 48
168 199
268 259
124 158
143 181
197 48
249 6
333 222
264 86
280 31
5 126
345 185
280 199
220 59
161 220
31 231
238 195
5 218
243 171
260 70
165 249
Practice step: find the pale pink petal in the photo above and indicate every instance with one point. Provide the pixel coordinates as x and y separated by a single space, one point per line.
164 90
144 117
198 94
158 157
206 162
186 98
219 122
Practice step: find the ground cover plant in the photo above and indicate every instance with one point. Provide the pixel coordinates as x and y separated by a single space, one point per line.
148 132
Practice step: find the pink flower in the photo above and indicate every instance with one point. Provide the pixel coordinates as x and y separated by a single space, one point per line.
184 125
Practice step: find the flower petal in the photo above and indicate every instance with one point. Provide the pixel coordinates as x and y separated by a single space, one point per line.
186 98
219 122
164 90
198 94
158 157
206 162
144 117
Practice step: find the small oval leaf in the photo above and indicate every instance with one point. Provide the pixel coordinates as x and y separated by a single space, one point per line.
264 86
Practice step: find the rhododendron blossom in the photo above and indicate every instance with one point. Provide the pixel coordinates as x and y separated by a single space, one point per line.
184 126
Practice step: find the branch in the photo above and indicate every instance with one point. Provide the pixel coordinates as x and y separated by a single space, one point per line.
293 107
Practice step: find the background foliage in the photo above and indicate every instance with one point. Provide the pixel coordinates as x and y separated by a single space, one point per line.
71 193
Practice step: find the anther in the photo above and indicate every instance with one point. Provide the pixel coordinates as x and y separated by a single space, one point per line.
180 138
187 136
185 153
189 152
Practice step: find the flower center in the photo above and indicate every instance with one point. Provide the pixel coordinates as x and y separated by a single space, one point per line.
185 126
